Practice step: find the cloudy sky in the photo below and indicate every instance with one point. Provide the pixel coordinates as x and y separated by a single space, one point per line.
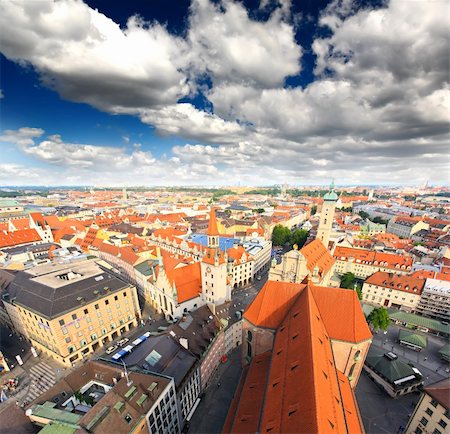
171 92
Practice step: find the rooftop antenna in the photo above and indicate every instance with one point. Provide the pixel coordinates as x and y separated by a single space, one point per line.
129 382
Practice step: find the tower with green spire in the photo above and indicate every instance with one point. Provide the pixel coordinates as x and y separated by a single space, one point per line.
327 215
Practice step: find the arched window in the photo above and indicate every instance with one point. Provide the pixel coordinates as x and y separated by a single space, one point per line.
350 374
357 354
249 350
249 336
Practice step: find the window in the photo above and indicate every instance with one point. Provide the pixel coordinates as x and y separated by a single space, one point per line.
424 421
418 431
64 330
106 302
429 411
442 423
116 298
85 311
67 340
74 316
96 306
128 418
436 431
61 322
434 403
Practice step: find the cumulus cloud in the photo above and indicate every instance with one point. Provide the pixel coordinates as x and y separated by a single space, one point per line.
377 110
231 47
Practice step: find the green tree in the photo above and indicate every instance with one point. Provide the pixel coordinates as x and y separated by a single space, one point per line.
379 318
299 237
258 210
313 209
280 235
348 280
364 215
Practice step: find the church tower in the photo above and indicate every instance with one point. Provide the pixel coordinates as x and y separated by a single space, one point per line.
215 287
327 216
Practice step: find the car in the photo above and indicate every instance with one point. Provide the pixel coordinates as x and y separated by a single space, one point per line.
258 277
111 349
122 342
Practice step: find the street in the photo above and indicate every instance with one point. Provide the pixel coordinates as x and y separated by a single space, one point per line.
212 411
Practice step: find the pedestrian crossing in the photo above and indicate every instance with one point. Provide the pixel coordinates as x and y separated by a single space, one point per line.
42 378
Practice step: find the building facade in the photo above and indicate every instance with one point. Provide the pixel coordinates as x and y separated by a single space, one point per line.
432 412
69 310
393 290
435 300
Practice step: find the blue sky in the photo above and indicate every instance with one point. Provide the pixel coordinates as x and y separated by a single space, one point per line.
225 92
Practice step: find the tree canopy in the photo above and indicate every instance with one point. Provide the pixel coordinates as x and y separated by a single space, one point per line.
280 235
379 318
299 237
348 280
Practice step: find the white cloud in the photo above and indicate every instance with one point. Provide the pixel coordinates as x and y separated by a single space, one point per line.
377 111
232 47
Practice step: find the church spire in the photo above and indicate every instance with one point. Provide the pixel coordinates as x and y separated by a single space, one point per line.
213 231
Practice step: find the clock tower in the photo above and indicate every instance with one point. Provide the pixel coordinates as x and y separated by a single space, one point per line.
215 286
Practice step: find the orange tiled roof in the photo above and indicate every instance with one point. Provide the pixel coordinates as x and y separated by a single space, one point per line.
316 254
352 416
302 360
272 303
335 304
187 280
296 387
369 257
236 253
212 225
412 284
248 410
20 224
16 238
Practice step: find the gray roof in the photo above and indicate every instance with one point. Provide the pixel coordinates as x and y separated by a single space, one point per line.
171 359
42 291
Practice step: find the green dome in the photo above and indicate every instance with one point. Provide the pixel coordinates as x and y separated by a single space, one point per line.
331 195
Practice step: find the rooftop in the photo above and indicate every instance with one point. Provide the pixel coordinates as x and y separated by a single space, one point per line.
53 289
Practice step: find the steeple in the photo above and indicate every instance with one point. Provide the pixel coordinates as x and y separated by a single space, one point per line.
213 232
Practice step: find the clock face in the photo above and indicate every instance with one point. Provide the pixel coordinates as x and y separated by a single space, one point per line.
208 270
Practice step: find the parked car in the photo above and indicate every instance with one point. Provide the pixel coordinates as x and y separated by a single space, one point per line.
122 342
111 349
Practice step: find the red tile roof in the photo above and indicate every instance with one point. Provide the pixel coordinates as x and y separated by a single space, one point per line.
296 388
369 257
212 225
272 303
316 254
406 283
440 391
335 304
19 237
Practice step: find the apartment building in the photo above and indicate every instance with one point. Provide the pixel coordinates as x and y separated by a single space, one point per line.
363 263
404 227
432 412
435 300
393 290
261 252
100 398
69 310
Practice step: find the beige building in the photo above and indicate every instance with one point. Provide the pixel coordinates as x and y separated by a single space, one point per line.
363 263
69 310
312 260
393 290
432 414
404 227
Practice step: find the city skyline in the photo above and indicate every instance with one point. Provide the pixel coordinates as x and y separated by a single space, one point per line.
224 93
